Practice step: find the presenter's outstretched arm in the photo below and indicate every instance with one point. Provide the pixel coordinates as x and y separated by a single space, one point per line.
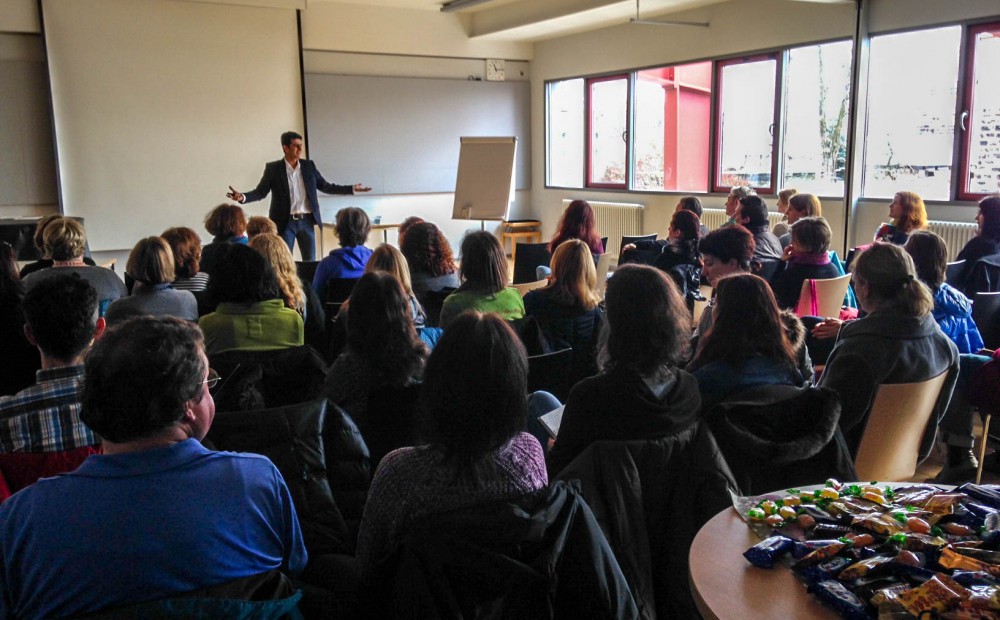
358 188
235 195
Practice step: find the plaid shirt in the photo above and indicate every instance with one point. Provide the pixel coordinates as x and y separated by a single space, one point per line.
46 416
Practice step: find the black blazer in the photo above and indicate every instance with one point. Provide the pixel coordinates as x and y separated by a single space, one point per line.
276 179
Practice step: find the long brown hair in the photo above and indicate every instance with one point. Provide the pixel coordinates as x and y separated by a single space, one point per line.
914 212
484 265
747 323
578 222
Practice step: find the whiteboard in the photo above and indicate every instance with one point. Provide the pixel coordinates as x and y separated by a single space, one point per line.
485 185
402 135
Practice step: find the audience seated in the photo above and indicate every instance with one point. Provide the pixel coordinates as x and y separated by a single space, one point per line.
567 308
782 227
19 360
805 258
186 246
383 348
799 206
195 518
733 202
349 260
297 293
484 281
641 392
251 315
228 225
578 222
40 429
64 241
432 267
985 243
677 255
749 344
753 215
387 259
692 204
474 410
908 215
725 251
405 226
260 225
897 342
46 261
151 265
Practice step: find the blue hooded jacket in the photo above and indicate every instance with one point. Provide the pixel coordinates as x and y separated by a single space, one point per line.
953 313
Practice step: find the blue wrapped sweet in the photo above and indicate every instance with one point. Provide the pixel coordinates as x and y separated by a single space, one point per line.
766 552
825 570
835 595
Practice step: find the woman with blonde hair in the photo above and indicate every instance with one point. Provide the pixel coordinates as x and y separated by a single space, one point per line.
783 226
296 293
567 309
151 265
799 206
897 342
388 259
908 214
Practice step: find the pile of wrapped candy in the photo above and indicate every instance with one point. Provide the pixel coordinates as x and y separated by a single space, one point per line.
870 551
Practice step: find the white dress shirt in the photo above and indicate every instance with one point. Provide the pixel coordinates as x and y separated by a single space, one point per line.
297 188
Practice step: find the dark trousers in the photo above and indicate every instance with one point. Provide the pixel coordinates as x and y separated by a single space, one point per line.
303 231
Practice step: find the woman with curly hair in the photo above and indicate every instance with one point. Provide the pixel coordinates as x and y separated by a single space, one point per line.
297 293
908 214
186 246
383 348
432 266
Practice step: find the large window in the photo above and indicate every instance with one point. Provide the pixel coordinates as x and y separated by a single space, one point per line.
912 89
564 148
980 117
607 131
745 147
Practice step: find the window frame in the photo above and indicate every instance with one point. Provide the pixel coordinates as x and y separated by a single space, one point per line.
966 87
588 182
715 167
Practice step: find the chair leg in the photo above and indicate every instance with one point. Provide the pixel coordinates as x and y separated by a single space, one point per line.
982 448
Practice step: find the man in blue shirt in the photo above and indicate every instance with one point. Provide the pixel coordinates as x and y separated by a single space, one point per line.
156 515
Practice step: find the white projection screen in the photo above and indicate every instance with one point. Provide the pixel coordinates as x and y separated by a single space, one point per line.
159 105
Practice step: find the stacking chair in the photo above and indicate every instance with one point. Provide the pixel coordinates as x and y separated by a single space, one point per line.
551 372
822 297
529 257
986 314
891 441
306 269
604 266
632 239
952 271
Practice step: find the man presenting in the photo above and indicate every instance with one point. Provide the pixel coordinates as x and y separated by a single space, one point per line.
294 204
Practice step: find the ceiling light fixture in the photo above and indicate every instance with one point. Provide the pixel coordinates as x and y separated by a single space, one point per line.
651 22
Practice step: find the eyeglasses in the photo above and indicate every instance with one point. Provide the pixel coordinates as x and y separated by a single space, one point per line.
213 379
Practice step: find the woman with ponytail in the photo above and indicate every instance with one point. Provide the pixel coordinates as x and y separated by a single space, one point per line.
897 342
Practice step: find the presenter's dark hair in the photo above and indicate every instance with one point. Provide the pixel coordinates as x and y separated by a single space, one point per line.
649 325
730 243
243 275
484 264
139 376
288 136
186 246
427 250
692 204
754 208
226 220
930 256
353 227
470 418
62 314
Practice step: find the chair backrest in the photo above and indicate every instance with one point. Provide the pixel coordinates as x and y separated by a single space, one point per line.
700 305
524 287
627 239
984 276
529 257
306 269
604 265
390 420
952 271
551 372
604 243
768 268
891 440
432 301
266 379
339 289
986 314
822 297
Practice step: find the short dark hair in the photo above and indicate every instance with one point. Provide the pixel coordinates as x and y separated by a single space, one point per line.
930 256
686 222
353 226
139 376
288 136
649 325
692 204
813 234
990 208
470 418
242 275
226 220
730 243
754 208
186 246
61 311
484 264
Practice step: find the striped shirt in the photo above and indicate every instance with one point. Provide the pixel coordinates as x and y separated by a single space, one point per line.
197 282
46 416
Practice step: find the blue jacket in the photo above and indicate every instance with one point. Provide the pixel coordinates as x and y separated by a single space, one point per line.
953 313
348 262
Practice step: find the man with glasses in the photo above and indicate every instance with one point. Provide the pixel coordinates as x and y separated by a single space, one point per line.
158 515
42 422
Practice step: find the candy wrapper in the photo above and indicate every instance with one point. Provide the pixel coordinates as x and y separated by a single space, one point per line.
838 597
938 594
765 553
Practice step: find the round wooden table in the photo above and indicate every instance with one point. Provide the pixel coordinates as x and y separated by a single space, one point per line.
726 586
